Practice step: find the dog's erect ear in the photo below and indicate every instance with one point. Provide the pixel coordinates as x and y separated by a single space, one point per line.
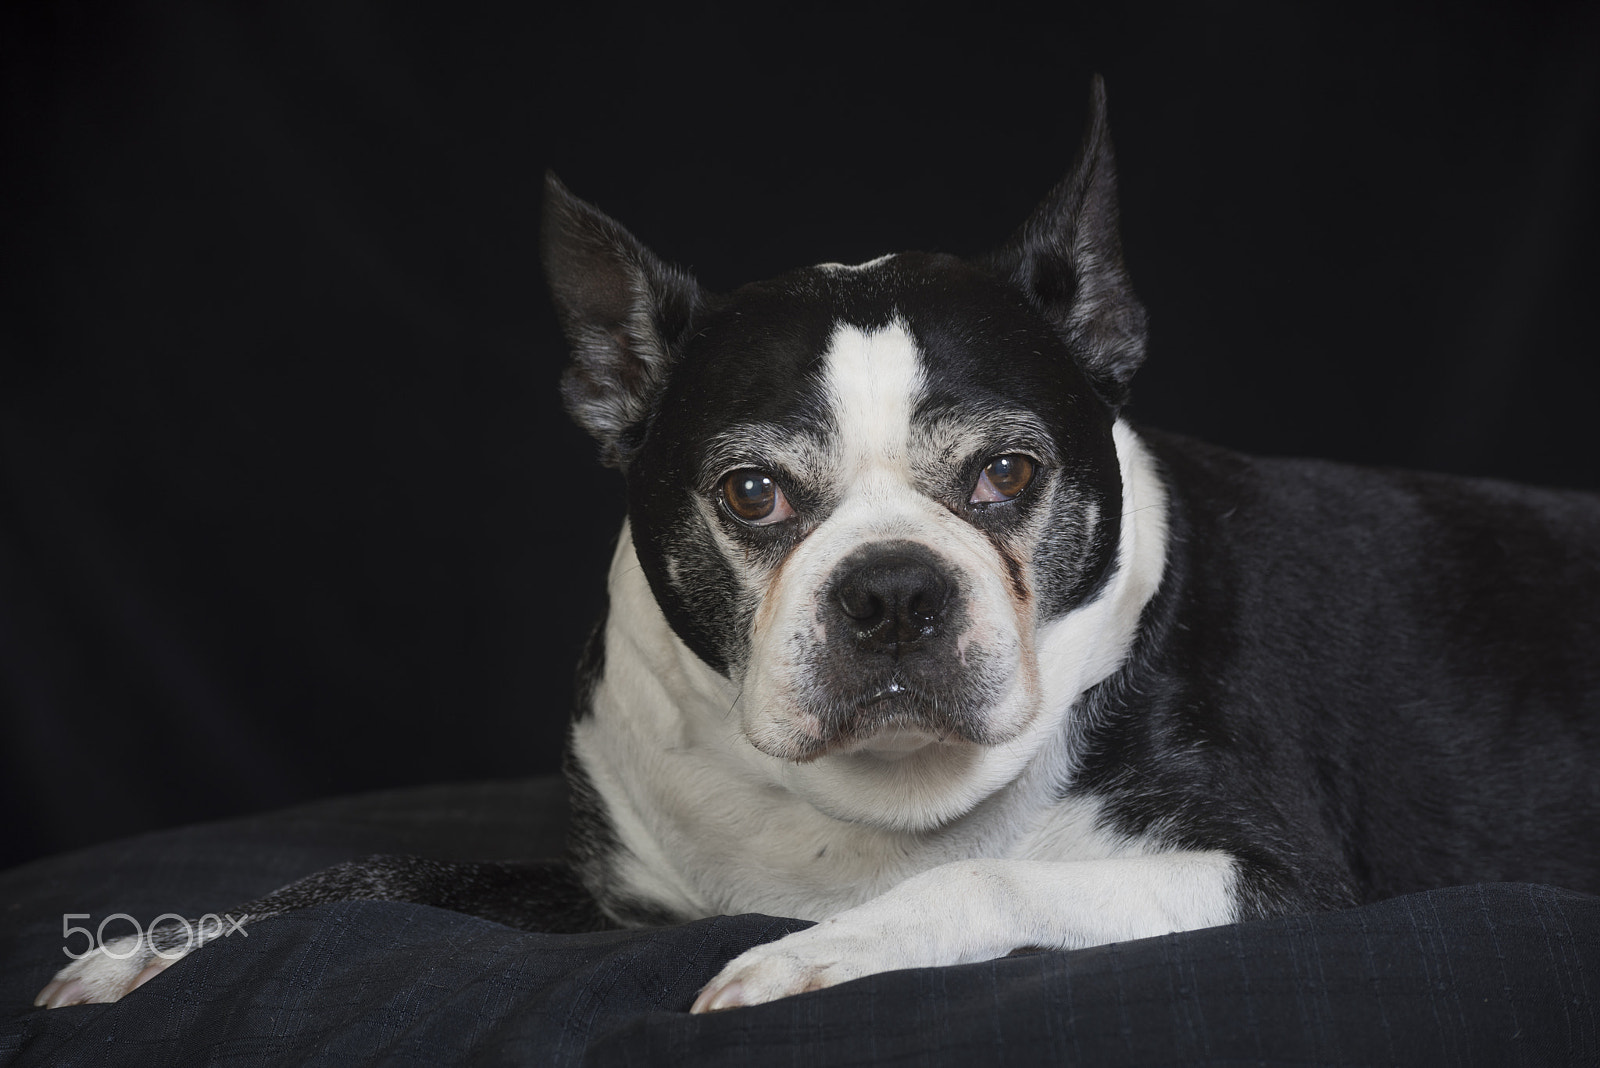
623 311
1068 259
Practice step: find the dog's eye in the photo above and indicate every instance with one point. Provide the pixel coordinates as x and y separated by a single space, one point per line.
754 498
1004 478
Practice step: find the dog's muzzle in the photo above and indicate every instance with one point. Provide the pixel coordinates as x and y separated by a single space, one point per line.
895 660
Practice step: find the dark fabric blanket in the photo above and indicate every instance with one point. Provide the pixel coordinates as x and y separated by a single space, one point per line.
1502 974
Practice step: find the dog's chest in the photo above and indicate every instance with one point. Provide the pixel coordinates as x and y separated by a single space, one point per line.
696 835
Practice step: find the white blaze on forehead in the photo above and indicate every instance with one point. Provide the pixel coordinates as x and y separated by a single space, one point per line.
844 268
873 381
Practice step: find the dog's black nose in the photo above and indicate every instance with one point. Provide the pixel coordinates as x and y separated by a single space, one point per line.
893 600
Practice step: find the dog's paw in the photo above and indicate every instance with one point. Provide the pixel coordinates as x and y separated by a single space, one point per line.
812 959
108 972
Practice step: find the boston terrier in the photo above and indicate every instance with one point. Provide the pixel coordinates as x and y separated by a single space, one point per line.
913 634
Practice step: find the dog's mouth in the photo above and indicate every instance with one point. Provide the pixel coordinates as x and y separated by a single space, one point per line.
900 735
895 720
893 744
891 691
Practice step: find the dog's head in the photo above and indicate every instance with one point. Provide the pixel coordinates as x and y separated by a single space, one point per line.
862 494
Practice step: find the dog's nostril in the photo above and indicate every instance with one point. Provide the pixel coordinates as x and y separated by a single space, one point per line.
859 603
925 604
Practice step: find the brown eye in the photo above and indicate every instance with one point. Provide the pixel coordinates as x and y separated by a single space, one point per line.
754 498
1004 478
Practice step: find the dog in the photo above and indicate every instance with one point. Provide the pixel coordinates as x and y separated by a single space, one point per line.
912 633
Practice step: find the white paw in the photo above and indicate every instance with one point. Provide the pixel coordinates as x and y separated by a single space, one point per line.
107 973
818 957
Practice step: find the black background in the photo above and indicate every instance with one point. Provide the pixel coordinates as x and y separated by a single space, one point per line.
288 506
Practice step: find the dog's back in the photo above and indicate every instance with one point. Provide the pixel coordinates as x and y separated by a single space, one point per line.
1406 665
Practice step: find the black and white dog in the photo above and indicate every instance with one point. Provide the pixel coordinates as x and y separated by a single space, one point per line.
910 633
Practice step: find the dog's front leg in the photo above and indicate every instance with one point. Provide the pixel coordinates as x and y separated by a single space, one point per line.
977 910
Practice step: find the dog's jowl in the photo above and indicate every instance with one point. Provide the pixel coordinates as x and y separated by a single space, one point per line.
911 633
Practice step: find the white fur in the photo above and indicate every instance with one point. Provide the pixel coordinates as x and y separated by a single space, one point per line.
999 906
111 970
873 382
843 268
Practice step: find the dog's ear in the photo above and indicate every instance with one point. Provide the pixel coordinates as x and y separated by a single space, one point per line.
623 312
1067 258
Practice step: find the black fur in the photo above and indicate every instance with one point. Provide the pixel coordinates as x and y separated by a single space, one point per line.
622 310
1067 258
542 896
1362 683
591 665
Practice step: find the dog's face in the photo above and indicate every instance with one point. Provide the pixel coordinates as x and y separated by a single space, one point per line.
861 494
848 494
